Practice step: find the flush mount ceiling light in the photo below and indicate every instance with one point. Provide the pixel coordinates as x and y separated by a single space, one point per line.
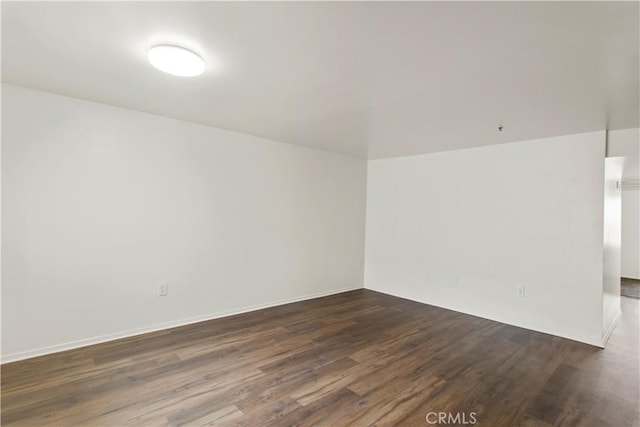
176 60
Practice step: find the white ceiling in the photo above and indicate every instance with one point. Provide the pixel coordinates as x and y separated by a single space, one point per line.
370 79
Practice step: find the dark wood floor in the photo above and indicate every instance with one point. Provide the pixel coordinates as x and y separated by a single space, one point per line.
359 358
630 287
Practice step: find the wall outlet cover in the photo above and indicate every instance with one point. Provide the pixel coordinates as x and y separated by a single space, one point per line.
163 290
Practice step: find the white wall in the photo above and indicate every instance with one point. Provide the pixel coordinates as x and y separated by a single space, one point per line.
463 229
631 234
100 205
623 142
612 245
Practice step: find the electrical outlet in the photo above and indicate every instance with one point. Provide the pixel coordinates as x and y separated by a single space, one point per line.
521 291
163 290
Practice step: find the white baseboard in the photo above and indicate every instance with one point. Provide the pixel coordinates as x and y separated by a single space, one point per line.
591 341
13 357
609 331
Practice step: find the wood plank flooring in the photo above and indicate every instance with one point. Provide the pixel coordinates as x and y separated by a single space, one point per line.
359 358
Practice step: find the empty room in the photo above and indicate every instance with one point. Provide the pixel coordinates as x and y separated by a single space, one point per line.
320 213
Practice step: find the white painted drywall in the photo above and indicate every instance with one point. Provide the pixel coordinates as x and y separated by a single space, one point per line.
612 244
464 229
100 205
623 142
631 234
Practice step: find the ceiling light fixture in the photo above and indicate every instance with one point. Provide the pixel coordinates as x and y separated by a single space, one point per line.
176 60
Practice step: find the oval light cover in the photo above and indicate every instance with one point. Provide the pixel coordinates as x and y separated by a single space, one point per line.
176 60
